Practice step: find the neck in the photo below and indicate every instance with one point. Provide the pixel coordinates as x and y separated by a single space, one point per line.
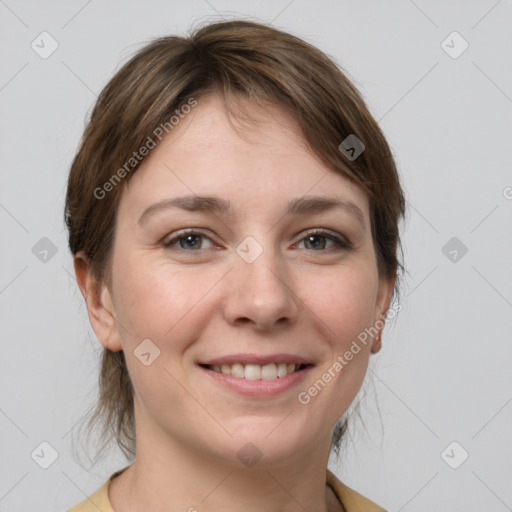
173 476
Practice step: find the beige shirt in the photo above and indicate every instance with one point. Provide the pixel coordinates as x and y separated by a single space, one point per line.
352 501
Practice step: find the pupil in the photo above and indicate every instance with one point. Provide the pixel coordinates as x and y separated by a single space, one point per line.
190 238
313 238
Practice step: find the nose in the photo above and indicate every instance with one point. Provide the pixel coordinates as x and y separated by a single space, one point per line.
260 294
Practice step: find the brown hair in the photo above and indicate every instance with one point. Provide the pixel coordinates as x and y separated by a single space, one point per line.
245 58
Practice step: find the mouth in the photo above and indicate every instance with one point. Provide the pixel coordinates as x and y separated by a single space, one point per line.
257 377
251 371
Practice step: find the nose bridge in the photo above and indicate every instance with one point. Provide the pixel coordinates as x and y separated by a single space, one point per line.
262 268
260 291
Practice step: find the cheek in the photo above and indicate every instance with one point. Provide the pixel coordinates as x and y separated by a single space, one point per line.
344 303
344 307
159 301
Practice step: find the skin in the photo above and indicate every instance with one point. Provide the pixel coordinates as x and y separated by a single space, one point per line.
305 297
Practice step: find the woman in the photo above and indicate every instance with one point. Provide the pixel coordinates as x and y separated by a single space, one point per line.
233 214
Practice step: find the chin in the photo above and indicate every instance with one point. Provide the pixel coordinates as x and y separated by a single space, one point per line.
271 440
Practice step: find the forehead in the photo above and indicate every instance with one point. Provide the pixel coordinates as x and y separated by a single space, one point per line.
256 158
252 122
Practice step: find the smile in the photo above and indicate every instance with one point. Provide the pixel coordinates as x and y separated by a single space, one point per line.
257 381
270 371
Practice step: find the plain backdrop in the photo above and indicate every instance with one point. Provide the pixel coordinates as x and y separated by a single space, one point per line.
443 375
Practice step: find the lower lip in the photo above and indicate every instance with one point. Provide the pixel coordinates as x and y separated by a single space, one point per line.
259 388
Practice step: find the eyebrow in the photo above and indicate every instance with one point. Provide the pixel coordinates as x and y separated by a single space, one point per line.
215 205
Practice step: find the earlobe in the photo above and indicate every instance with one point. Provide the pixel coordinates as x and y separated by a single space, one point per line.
99 304
377 339
383 301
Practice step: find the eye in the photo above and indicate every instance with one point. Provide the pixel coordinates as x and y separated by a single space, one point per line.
319 239
188 241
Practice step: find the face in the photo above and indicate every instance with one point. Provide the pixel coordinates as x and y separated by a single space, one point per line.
268 272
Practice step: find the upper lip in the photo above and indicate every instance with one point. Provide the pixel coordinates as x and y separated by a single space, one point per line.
259 359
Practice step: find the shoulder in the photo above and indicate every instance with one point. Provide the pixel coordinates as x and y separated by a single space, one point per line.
98 500
352 500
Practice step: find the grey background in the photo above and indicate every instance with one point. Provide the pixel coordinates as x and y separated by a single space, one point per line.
444 372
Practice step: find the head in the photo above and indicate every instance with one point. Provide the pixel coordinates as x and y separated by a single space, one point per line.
255 117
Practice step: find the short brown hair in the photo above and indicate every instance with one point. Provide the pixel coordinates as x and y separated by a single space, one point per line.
262 64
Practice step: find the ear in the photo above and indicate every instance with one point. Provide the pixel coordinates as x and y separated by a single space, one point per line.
99 304
384 294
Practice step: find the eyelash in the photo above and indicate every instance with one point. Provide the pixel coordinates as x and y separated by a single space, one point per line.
342 244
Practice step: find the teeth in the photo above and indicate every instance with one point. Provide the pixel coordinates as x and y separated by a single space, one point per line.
237 370
252 372
282 370
257 372
225 368
268 372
